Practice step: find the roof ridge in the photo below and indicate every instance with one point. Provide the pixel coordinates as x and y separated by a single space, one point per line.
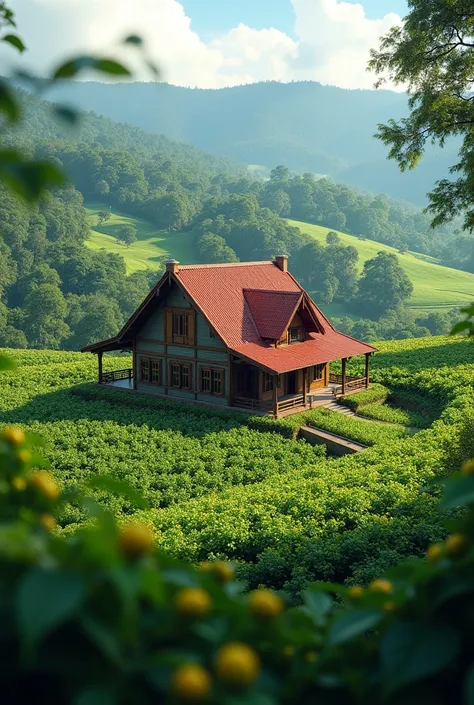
222 265
272 291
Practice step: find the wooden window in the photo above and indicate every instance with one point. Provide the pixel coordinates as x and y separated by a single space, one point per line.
317 372
181 330
180 375
156 371
150 370
217 379
267 382
212 381
293 334
205 379
144 369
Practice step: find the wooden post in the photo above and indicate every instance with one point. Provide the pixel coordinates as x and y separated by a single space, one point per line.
367 367
275 396
305 384
99 360
344 361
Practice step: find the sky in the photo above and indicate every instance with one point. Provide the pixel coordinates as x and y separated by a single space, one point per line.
214 43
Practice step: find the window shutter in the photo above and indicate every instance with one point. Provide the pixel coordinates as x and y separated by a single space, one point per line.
169 326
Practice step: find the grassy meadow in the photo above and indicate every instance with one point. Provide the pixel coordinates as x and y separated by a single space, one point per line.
151 246
435 287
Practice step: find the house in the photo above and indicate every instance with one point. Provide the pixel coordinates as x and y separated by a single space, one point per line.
241 335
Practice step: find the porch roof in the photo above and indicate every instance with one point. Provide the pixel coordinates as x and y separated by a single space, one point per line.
317 350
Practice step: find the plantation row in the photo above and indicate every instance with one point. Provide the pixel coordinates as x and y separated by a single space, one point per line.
240 487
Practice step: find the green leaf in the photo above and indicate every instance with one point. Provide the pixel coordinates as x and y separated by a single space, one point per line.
412 651
66 114
95 696
353 624
120 487
469 686
27 178
133 39
108 66
111 67
7 363
460 327
105 640
317 604
8 102
458 492
45 599
14 41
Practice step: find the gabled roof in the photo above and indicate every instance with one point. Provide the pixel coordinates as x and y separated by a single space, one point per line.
248 304
272 311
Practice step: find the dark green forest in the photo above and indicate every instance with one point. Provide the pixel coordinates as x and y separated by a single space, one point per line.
56 293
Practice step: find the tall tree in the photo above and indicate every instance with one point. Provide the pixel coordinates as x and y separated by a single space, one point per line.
433 55
382 286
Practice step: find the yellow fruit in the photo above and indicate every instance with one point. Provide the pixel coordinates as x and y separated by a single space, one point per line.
24 456
13 435
390 607
311 657
356 591
434 552
135 539
237 664
223 570
289 651
48 521
191 683
381 585
45 484
456 544
19 483
265 604
468 467
192 602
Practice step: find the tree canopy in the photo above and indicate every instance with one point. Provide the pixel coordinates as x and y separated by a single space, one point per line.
432 53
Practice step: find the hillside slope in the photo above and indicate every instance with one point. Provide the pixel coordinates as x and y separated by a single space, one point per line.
434 286
307 126
151 247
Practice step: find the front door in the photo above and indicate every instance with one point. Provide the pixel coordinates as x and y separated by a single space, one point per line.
291 383
247 381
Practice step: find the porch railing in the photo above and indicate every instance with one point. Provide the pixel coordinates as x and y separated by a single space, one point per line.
267 405
291 403
116 375
352 383
252 404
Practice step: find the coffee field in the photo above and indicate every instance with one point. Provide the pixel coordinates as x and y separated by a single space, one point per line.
224 484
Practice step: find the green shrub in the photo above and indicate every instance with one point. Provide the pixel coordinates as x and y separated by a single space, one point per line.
376 393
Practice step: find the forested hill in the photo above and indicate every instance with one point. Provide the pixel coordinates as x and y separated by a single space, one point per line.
304 125
38 127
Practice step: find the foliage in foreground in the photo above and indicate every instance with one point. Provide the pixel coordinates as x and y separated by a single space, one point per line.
101 617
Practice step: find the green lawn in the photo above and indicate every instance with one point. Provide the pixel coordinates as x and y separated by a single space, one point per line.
435 287
151 246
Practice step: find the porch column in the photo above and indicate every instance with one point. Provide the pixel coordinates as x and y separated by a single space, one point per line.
367 367
275 396
99 361
305 385
344 362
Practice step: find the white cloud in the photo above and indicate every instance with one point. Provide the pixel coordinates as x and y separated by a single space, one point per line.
332 42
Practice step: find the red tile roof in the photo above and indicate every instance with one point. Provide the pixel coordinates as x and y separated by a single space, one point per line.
248 301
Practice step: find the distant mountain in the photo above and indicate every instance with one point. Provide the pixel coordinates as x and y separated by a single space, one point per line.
306 126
